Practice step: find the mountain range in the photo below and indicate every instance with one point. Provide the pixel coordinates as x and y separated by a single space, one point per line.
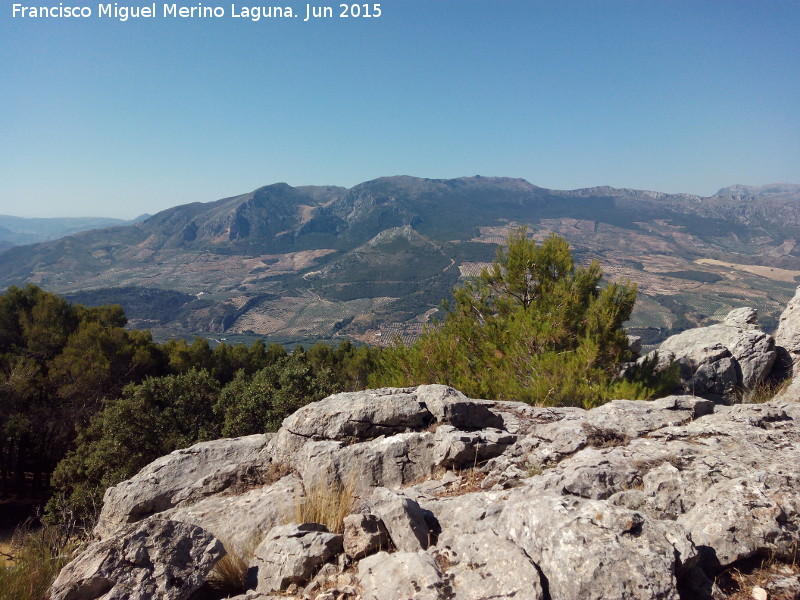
375 260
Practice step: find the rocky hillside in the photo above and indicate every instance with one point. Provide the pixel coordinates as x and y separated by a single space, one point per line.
424 493
302 263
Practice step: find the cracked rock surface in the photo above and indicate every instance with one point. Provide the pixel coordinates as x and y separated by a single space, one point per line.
463 499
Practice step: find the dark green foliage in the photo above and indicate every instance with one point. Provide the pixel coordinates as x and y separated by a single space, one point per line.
533 327
259 403
57 361
227 391
149 420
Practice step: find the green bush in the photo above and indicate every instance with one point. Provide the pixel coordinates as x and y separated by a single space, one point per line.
532 327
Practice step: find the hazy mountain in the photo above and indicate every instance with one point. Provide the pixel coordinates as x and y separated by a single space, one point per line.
20 230
300 263
780 191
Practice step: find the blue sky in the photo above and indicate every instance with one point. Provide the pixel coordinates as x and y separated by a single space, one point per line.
104 118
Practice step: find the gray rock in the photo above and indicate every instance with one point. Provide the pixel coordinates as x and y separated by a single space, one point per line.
743 318
788 333
241 521
403 518
181 477
635 345
392 461
480 567
590 550
291 554
360 415
451 407
407 575
154 559
743 517
723 359
364 535
455 449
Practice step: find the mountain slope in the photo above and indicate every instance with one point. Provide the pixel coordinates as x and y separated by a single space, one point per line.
301 263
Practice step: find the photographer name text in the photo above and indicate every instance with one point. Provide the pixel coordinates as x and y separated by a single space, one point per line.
199 10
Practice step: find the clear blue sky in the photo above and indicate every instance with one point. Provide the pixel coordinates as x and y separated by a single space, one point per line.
104 118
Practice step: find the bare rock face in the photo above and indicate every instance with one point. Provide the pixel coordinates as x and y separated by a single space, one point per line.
364 535
291 554
155 559
723 360
619 553
477 567
240 521
788 333
403 518
401 575
178 478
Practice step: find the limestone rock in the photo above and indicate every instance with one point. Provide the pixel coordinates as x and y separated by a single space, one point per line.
722 359
479 567
364 535
788 333
451 407
180 477
241 521
153 559
291 554
407 575
360 415
403 519
590 550
633 499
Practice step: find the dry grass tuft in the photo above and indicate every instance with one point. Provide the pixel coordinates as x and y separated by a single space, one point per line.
766 391
229 575
739 583
328 505
33 561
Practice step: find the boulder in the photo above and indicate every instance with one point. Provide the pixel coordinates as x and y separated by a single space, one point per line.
291 554
181 477
450 407
360 415
364 535
403 518
587 549
722 360
787 335
241 521
407 575
156 558
478 566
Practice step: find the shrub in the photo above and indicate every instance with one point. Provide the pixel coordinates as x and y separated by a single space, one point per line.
328 505
532 327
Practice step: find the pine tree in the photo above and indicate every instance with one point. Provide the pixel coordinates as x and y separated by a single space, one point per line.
532 327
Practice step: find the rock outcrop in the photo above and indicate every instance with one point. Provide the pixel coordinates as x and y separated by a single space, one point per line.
463 499
787 335
724 361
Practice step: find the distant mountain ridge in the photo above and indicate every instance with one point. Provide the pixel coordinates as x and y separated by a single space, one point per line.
15 231
374 260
